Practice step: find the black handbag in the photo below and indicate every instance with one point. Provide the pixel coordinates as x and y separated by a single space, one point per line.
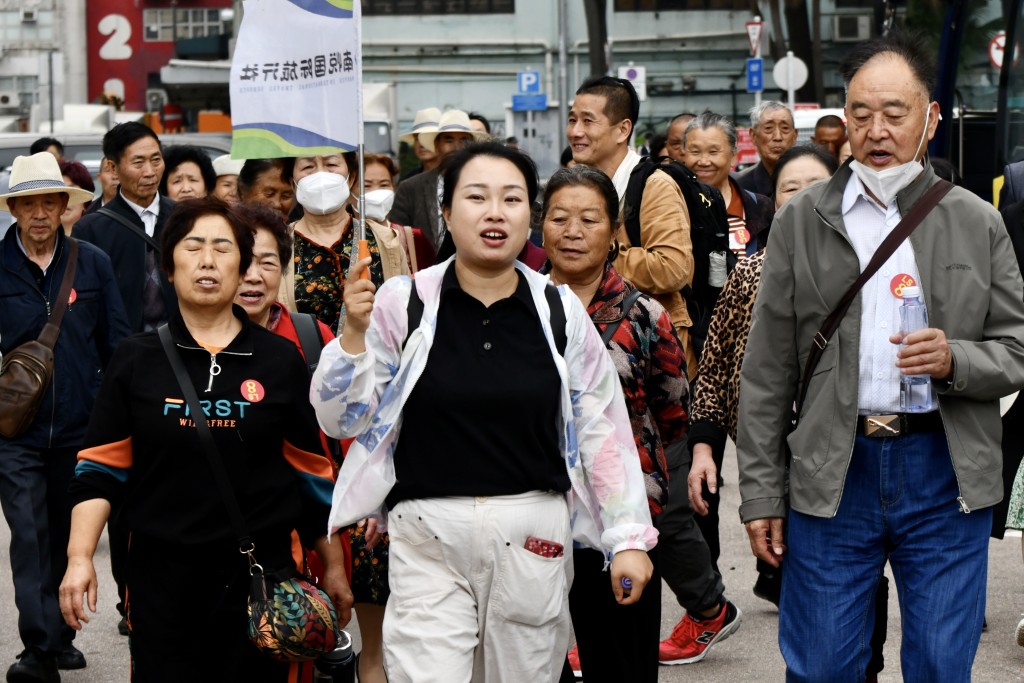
290 618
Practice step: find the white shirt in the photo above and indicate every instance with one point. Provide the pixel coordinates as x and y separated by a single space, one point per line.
867 224
147 214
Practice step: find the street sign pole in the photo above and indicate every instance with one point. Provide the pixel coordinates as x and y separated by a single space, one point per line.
754 33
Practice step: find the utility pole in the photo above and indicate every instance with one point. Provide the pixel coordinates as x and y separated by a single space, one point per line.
597 34
563 58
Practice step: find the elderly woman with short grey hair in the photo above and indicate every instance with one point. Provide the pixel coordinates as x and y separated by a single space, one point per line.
709 150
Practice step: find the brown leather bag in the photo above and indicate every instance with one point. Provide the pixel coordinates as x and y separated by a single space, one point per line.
27 370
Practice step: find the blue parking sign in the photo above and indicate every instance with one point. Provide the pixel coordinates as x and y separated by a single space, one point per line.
755 74
529 81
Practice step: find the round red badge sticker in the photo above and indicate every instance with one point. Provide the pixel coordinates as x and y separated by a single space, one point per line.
72 297
742 236
252 391
897 284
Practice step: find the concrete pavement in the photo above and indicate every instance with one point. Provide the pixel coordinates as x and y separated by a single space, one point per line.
751 654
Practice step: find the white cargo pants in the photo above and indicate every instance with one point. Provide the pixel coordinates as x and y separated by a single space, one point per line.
468 601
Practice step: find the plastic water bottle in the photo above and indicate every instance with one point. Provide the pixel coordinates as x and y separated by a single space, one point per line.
339 665
915 390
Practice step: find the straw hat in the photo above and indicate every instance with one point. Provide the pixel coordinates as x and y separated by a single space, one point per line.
225 165
40 174
425 122
452 121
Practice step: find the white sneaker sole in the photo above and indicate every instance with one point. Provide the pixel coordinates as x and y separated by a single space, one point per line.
726 631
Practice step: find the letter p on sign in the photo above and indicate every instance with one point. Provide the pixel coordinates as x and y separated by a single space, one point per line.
529 81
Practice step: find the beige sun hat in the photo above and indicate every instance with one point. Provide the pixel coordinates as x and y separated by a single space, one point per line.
453 121
40 174
425 122
225 165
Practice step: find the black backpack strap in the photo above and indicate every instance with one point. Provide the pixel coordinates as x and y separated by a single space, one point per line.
558 321
139 232
310 340
634 197
413 310
627 305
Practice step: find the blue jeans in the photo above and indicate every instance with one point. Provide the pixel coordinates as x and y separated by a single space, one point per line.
898 505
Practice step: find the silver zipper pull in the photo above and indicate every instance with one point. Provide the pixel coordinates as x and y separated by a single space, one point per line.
214 371
963 505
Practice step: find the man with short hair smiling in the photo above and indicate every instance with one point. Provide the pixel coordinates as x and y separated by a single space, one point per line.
773 131
866 478
36 466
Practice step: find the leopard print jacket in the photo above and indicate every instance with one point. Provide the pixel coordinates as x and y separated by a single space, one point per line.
716 395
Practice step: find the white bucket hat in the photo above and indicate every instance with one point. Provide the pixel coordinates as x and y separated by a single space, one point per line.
452 121
40 174
225 165
425 122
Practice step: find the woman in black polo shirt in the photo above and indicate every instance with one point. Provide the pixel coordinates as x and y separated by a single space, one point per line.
492 433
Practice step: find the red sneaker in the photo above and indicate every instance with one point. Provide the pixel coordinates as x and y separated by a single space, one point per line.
691 639
574 661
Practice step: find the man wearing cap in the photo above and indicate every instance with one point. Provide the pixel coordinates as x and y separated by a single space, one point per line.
37 466
417 200
128 228
425 122
227 170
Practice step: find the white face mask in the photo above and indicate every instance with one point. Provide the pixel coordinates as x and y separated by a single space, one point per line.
887 183
322 192
377 203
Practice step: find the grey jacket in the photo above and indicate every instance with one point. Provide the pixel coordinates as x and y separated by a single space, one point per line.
973 291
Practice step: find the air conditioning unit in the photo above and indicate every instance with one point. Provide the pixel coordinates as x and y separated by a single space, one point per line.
851 28
28 16
156 98
9 98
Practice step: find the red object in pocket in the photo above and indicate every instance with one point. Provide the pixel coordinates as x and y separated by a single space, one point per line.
544 548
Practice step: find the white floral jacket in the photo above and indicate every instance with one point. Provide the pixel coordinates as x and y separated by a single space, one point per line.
362 395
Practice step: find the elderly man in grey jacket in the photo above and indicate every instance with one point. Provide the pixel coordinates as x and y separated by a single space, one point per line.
867 482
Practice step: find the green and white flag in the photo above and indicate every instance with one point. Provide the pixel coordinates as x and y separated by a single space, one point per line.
296 79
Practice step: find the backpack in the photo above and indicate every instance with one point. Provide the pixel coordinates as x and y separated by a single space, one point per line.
312 343
709 234
414 309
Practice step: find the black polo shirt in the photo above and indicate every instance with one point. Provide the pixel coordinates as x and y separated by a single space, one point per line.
483 419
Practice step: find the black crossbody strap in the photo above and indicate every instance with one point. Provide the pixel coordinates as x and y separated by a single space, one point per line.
140 232
220 475
51 330
310 340
886 249
627 305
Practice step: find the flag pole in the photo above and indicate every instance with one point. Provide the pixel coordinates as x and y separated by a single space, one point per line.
364 247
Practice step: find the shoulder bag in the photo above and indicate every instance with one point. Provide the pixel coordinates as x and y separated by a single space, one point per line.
27 370
290 619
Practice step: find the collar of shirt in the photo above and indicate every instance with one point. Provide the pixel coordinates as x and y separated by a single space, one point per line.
855 191
450 283
148 214
53 252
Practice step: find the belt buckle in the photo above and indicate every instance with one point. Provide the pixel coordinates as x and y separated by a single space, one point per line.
882 426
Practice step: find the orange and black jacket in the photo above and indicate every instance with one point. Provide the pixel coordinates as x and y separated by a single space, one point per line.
142 445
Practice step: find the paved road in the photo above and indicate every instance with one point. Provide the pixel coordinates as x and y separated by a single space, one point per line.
750 655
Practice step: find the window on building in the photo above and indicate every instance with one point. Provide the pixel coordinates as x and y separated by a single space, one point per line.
868 5
17 28
178 24
386 7
670 5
